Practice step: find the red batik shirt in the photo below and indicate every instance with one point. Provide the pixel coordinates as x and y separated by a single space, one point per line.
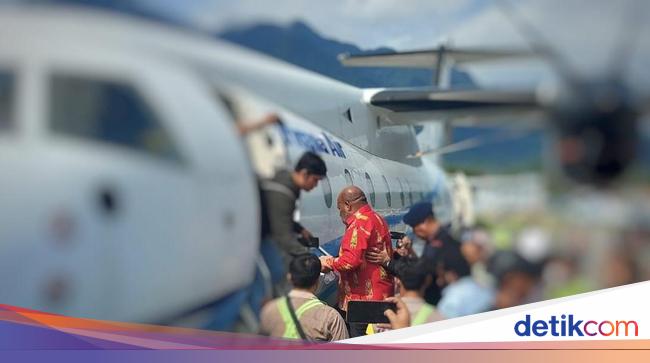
360 279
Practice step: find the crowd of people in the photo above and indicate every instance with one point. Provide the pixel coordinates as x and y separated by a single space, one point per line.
453 275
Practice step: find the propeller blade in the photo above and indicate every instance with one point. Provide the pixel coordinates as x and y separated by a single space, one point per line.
628 38
471 143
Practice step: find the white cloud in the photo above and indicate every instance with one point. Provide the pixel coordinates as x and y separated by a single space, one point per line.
585 33
367 23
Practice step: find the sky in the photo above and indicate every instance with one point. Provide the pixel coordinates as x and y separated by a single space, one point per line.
586 33
367 23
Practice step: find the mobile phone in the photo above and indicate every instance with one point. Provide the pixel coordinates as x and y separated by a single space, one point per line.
362 311
397 235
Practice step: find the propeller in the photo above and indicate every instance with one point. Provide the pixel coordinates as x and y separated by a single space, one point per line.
471 143
628 38
597 119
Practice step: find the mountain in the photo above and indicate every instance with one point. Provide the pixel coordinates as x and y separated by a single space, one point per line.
125 7
298 44
502 155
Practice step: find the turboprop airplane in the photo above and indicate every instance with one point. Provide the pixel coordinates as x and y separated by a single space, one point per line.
128 193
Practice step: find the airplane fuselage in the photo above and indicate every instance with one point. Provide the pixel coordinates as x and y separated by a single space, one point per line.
127 193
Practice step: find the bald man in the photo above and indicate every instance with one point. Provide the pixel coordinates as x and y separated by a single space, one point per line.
360 279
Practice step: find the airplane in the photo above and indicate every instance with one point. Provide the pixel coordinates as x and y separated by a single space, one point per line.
128 193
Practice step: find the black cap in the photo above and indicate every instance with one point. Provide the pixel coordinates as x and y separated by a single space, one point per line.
418 213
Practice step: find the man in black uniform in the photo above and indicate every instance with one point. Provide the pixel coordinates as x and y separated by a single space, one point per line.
439 244
280 231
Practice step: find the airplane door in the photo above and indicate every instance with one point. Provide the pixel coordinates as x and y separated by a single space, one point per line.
346 122
268 152
207 232
167 210
55 254
133 179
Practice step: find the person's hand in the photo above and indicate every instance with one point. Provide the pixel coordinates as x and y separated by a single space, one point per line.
378 256
270 119
326 263
400 318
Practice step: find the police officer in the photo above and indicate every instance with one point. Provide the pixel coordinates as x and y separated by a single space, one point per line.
439 244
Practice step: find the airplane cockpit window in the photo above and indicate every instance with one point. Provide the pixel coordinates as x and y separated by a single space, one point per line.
6 100
388 198
327 191
371 189
110 112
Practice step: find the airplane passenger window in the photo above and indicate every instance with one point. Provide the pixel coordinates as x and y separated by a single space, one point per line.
6 100
388 199
327 191
371 189
107 111
348 178
401 193
408 186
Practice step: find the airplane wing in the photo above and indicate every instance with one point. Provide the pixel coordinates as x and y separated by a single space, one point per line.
415 105
412 106
584 114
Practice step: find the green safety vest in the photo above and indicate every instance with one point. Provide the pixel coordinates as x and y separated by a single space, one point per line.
290 330
422 315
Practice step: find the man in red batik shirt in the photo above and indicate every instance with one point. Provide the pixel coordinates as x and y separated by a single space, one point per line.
360 279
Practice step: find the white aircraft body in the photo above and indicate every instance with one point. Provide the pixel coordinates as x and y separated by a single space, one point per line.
127 193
